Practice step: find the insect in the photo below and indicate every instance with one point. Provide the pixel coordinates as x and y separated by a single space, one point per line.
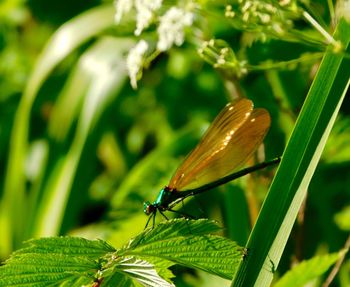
228 143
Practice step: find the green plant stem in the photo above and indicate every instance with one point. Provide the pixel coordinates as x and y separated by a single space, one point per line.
319 28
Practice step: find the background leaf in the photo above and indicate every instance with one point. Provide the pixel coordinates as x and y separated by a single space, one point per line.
68 38
104 81
307 270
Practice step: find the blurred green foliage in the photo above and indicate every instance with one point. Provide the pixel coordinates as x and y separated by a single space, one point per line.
122 147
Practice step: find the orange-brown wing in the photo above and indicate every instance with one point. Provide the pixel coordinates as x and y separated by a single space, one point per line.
230 140
229 150
230 118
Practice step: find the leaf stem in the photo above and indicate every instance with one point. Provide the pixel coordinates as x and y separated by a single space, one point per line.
336 267
319 28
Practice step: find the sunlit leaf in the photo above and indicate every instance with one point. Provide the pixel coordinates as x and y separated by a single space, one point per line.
307 270
141 271
46 261
146 259
189 243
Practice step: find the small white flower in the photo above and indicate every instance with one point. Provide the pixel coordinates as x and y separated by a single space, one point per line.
143 19
229 13
342 9
135 61
284 2
264 18
145 10
122 7
171 28
152 5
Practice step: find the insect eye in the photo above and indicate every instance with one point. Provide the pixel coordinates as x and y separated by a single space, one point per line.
148 208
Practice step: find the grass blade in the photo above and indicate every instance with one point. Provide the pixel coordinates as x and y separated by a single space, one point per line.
71 35
105 81
276 219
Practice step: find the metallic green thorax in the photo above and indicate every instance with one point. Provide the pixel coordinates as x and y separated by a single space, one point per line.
164 198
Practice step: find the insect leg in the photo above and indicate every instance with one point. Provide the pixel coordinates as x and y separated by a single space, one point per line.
152 216
161 212
186 215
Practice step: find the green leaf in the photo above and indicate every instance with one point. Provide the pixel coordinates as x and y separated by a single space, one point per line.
342 219
75 282
308 270
118 280
299 161
72 261
69 260
68 246
188 242
141 271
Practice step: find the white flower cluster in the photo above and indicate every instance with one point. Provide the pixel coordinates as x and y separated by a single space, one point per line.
135 60
258 9
122 7
170 29
262 15
145 10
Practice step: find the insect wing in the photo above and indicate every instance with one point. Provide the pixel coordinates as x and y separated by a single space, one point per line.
232 155
230 140
230 118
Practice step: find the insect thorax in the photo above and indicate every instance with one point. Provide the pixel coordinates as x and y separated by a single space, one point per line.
165 197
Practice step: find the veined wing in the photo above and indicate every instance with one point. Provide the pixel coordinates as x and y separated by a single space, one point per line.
230 118
228 143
